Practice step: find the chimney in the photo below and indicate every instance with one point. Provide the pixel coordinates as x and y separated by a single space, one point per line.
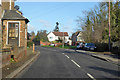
7 4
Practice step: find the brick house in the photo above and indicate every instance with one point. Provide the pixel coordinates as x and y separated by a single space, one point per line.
14 26
14 31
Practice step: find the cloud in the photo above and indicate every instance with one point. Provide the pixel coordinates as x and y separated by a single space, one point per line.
31 27
45 23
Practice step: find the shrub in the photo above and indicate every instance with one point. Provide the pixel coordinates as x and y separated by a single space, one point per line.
29 44
102 46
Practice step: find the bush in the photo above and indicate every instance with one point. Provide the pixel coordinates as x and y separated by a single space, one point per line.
102 46
29 44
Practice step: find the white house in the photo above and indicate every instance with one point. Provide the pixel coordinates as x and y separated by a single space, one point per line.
54 36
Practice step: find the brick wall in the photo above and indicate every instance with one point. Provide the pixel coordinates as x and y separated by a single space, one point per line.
6 5
19 53
23 41
44 43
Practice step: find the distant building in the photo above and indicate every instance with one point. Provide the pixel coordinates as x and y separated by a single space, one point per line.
77 37
56 36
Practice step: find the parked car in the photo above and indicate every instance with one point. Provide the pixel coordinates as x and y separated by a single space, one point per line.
52 44
90 46
80 46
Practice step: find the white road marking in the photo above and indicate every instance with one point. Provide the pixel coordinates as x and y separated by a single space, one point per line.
91 76
67 56
62 53
75 63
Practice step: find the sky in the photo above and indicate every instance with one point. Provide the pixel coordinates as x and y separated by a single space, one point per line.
44 15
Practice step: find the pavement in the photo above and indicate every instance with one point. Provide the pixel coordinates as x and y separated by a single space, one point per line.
106 56
66 63
10 71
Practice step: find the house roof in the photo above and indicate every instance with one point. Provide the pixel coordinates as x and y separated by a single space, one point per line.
13 15
60 33
76 33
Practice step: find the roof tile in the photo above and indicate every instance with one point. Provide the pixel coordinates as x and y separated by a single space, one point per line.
60 33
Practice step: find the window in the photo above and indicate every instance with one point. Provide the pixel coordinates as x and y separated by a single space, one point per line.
51 37
13 30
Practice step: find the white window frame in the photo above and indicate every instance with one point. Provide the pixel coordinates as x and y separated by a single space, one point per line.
7 30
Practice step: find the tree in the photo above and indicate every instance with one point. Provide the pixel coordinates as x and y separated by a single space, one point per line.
95 24
32 35
41 36
56 27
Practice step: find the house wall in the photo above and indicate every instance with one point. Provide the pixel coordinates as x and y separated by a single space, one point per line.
79 37
74 39
66 39
23 40
51 37
54 38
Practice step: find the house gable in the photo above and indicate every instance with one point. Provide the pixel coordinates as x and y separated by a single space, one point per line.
51 37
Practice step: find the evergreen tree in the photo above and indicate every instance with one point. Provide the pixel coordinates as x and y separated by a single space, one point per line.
56 27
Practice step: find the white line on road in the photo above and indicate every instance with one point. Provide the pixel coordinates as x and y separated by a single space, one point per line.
75 63
67 56
91 76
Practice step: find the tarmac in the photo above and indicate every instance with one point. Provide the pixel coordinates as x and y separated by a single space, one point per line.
100 55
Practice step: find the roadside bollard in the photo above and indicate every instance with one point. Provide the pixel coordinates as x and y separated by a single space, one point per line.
33 48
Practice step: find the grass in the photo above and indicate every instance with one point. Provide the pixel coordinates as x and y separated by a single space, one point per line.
65 47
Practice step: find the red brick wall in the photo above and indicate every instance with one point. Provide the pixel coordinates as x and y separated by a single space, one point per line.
44 43
23 41
18 55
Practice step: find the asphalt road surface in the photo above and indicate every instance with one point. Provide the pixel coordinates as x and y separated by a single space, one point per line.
60 63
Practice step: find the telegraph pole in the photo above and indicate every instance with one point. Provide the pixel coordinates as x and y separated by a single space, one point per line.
109 27
63 39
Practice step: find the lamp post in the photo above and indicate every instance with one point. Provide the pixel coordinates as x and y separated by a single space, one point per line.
109 26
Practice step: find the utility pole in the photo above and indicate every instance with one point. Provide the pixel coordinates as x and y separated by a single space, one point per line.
63 40
109 27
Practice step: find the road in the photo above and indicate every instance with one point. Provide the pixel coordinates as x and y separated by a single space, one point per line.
60 63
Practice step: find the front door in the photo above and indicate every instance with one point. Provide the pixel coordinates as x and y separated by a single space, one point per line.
13 33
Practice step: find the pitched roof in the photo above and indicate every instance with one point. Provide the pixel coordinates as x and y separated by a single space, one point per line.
76 33
13 15
60 33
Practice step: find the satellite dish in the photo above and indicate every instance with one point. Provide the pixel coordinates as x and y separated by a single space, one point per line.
17 7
